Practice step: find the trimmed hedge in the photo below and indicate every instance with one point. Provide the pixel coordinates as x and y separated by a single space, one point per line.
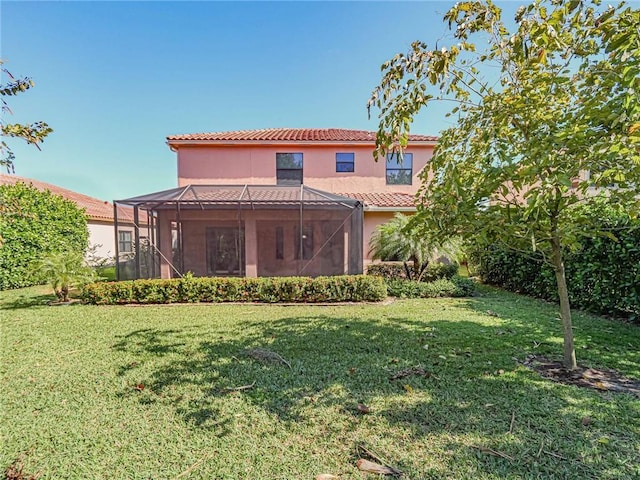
603 275
444 287
346 288
396 271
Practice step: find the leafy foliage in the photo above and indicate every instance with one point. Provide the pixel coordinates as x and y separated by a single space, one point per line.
603 274
397 271
562 122
62 271
34 133
444 287
36 224
346 288
399 239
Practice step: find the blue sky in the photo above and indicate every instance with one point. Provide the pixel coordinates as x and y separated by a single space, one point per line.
113 79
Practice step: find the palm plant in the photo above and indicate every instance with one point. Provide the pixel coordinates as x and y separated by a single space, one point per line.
398 239
63 271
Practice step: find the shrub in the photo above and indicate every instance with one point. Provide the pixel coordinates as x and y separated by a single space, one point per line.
465 287
346 288
64 270
396 271
34 224
106 273
444 287
603 275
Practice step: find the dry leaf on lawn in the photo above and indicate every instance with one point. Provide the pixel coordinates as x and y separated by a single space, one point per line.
371 467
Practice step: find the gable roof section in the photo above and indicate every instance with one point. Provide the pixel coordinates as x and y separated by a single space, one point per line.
392 201
289 135
96 209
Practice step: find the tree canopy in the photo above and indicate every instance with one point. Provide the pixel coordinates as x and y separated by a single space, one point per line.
561 124
33 133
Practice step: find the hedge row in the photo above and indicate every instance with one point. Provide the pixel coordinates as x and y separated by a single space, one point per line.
603 275
396 271
35 224
346 288
444 287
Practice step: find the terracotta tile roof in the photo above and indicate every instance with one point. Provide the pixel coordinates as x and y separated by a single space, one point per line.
392 200
292 135
96 209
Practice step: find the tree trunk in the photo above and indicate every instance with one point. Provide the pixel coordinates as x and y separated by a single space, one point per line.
423 268
65 293
565 308
407 270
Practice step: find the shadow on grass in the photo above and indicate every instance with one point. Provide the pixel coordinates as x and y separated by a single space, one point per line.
600 342
27 301
474 385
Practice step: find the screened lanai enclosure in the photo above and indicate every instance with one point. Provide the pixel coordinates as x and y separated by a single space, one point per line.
241 230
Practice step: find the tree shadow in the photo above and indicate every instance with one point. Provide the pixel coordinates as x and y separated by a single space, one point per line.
473 384
600 342
27 301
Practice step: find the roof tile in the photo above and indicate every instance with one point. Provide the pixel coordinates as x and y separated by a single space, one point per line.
395 199
292 135
96 209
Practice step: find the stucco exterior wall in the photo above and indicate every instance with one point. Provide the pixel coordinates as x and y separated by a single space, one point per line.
102 237
246 164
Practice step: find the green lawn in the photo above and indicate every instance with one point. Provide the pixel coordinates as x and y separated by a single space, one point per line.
70 407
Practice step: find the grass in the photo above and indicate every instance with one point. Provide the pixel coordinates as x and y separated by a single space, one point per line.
145 392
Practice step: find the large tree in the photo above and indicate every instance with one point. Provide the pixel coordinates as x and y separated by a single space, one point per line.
545 115
31 133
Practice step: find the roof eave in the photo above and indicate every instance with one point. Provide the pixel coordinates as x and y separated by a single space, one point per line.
375 208
230 143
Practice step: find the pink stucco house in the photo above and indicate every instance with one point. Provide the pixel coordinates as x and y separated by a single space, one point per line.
274 202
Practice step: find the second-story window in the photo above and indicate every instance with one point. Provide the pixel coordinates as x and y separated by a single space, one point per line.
345 162
399 168
289 168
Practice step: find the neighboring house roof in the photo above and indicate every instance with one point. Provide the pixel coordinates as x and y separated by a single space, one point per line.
276 135
99 210
395 201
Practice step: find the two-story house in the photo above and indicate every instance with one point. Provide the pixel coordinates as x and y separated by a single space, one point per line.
275 202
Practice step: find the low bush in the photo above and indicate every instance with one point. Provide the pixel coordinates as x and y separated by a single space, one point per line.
106 273
444 287
346 288
396 271
62 271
